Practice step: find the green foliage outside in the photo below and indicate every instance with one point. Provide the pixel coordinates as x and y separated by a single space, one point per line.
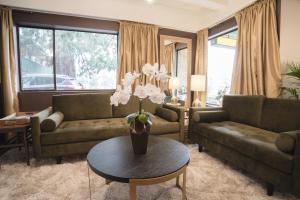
294 73
80 55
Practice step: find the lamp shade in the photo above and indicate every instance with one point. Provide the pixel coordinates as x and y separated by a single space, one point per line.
198 83
174 83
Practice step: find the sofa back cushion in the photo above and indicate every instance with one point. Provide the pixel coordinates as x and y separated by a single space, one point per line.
149 106
83 106
281 115
124 110
244 109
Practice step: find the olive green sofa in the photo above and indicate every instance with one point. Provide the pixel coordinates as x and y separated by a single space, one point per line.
90 119
260 135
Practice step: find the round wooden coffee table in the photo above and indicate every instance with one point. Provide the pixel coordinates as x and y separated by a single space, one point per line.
165 159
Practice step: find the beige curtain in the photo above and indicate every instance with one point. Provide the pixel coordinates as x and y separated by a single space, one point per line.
257 65
169 57
7 62
137 46
201 60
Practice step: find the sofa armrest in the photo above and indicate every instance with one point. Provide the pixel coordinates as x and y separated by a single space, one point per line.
210 116
36 129
180 113
296 168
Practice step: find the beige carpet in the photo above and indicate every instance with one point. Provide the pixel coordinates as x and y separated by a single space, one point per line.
207 178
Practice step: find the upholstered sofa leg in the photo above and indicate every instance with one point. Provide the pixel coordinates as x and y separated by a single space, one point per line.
270 189
58 160
200 147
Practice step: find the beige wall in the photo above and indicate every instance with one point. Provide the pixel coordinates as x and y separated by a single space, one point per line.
290 34
290 31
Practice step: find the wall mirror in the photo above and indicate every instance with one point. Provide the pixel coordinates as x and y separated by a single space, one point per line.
176 55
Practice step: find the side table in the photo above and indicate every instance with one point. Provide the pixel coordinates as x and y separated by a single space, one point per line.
23 134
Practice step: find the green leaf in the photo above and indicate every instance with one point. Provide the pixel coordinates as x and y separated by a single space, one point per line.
294 70
293 92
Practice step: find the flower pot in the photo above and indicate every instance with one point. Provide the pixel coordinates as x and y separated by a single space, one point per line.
139 133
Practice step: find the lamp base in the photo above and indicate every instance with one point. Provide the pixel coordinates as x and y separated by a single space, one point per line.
196 103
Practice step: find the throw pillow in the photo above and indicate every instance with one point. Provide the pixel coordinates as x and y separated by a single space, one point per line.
285 142
52 122
167 114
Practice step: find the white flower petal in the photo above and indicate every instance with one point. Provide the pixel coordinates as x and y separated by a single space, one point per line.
140 92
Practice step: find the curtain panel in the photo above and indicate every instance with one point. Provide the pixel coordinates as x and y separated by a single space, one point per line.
201 60
8 63
257 62
138 45
169 51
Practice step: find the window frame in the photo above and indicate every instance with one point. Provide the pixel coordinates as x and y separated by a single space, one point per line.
53 29
230 30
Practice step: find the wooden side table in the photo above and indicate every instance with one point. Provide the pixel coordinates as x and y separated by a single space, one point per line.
23 135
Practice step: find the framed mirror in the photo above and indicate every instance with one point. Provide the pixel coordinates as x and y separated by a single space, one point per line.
176 55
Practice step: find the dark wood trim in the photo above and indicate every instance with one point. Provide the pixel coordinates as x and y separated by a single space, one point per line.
53 60
21 17
219 29
193 36
278 17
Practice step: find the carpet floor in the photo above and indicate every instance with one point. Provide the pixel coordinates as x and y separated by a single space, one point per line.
208 178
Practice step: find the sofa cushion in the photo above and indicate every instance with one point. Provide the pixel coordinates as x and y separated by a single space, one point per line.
253 142
161 126
83 106
244 109
86 130
52 122
123 110
281 115
101 129
167 114
286 142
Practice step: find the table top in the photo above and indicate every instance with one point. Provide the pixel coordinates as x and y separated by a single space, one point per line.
114 159
14 127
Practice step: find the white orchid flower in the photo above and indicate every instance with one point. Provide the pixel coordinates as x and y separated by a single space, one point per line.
130 78
124 96
158 98
124 91
162 74
147 69
151 89
140 92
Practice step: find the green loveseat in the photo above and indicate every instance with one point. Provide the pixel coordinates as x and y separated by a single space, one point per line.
90 119
260 135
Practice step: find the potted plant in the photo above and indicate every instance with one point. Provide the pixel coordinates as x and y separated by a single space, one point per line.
141 121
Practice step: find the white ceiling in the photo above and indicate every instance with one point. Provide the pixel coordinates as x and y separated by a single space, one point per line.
185 15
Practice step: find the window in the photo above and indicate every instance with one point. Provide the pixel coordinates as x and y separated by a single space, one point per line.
221 53
181 71
52 59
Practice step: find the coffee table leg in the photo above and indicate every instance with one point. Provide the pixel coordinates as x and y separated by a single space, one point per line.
177 181
132 191
184 185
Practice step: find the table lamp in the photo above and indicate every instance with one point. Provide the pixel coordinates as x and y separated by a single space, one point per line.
197 85
174 83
